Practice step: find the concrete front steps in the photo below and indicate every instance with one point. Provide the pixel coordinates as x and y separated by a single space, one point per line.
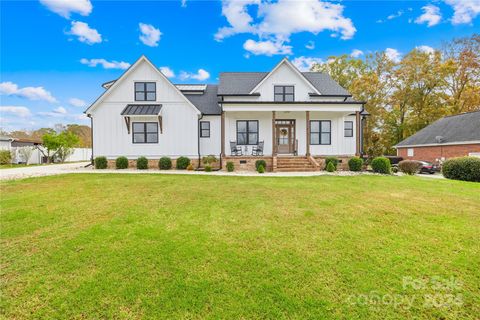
289 164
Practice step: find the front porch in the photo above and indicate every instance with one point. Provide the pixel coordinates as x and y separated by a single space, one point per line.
288 139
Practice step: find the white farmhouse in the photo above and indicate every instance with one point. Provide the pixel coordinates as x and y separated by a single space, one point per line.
290 119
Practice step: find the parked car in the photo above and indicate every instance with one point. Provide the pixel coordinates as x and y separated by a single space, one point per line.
427 167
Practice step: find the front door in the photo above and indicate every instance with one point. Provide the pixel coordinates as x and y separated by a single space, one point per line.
285 136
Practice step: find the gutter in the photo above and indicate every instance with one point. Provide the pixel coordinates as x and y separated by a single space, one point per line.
198 141
295 102
437 144
91 137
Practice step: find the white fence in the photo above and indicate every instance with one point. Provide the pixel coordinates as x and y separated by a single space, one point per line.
78 154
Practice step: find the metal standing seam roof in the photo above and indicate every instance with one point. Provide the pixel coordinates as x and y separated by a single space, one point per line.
459 128
141 110
232 83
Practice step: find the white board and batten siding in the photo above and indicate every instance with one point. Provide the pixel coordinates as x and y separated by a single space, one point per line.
180 120
212 144
340 145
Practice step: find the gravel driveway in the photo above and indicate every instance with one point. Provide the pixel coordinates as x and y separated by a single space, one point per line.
38 171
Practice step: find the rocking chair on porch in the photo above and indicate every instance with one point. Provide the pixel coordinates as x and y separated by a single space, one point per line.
258 149
235 150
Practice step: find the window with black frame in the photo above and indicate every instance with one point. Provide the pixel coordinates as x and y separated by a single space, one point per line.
348 128
145 91
320 132
204 129
284 93
145 132
247 132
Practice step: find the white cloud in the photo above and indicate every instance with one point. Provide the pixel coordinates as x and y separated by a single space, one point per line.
200 75
397 14
431 15
238 17
167 72
426 49
310 45
65 8
149 35
393 54
77 102
356 53
32 93
60 110
464 10
85 33
105 64
305 63
184 3
267 48
277 21
18 111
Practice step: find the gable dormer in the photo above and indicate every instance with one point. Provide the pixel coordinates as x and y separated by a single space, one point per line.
142 83
285 83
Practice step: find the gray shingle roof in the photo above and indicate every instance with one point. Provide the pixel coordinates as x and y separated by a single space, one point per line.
232 83
325 84
207 102
141 109
460 128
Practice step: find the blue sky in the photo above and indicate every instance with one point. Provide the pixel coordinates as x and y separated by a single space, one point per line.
56 54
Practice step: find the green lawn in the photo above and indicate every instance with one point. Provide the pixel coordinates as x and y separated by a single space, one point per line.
89 246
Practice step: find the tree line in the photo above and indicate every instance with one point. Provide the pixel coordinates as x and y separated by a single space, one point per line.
405 96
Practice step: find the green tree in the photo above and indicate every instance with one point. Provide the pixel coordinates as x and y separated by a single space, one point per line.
58 145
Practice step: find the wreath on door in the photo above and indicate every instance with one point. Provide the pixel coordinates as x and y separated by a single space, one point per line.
284 132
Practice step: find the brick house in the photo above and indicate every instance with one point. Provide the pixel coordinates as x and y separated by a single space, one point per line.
449 137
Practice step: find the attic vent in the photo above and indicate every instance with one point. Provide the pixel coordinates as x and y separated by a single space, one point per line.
439 139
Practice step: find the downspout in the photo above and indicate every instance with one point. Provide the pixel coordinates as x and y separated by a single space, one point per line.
361 131
91 137
198 141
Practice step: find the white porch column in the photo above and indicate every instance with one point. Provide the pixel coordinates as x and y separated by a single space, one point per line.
358 127
307 126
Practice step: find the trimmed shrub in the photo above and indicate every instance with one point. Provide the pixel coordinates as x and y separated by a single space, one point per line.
208 168
381 165
182 163
261 169
142 163
5 157
333 160
409 167
121 163
331 167
165 163
100 163
465 168
355 164
259 163
230 166
190 167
